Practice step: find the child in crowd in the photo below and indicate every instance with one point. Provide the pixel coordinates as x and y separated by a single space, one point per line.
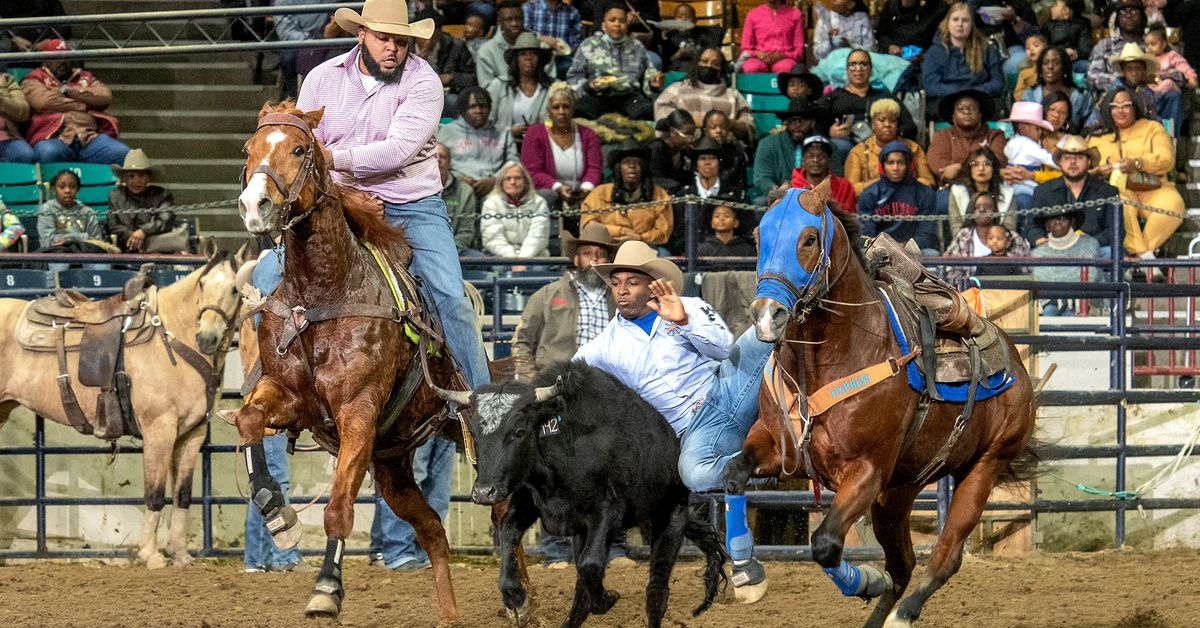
475 33
1035 44
67 226
1173 70
980 240
724 240
1000 242
1025 148
1070 30
841 24
801 86
12 228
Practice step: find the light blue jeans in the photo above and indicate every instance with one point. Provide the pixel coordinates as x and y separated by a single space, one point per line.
261 552
719 429
101 150
435 261
433 468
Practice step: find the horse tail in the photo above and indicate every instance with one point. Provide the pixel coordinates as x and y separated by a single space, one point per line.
700 531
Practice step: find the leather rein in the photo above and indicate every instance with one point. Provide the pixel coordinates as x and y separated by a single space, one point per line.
308 168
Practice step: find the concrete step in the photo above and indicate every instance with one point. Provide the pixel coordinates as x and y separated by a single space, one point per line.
188 193
186 170
170 74
195 121
191 145
171 97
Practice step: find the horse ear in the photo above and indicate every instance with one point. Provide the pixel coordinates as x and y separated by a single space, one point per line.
209 248
239 258
815 200
313 118
267 107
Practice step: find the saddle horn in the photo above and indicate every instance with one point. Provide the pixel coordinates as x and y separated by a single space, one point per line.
815 200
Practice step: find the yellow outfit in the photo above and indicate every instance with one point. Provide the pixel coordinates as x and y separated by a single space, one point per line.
1148 141
862 164
651 225
1026 78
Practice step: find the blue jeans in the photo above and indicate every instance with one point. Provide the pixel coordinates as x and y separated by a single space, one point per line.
433 468
719 429
435 261
17 151
559 549
101 150
260 549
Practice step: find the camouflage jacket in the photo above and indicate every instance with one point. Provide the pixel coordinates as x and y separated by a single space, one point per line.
626 61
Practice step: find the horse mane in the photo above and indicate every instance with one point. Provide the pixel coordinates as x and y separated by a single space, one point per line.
854 234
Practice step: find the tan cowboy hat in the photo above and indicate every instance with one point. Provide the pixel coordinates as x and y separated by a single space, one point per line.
1076 145
591 233
135 160
384 16
1133 52
637 255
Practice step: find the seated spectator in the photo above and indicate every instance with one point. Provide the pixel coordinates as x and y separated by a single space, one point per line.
733 152
651 225
460 206
298 27
479 148
14 110
725 239
515 221
1063 239
841 24
670 163
520 101
817 152
467 11
1035 45
976 239
559 26
450 58
1070 30
849 107
862 165
898 193
490 62
69 122
908 24
681 47
11 229
1131 27
1024 150
564 159
1136 154
968 112
960 59
772 38
1009 24
1137 71
1174 72
1054 76
981 173
1076 184
475 35
775 158
64 224
612 71
149 230
706 182
1056 109
802 86
704 90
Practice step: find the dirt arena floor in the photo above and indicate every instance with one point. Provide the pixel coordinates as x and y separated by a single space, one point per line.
1115 589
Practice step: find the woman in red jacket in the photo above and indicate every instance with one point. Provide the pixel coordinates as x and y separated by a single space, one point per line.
563 158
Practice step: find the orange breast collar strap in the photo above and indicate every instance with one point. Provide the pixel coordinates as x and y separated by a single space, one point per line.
843 388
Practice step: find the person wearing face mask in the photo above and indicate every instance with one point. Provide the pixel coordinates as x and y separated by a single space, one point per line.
69 122
612 71
705 90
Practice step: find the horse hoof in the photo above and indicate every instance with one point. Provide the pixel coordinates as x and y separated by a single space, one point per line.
156 561
521 615
876 582
893 621
182 559
606 602
323 605
750 593
286 531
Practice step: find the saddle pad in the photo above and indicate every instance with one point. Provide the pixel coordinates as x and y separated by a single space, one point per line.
33 335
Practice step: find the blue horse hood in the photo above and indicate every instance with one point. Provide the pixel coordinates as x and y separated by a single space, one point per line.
781 278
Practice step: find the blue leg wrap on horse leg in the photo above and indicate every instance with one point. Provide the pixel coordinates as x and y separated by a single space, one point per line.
846 577
738 539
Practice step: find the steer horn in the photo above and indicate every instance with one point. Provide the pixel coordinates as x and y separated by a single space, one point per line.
546 393
461 397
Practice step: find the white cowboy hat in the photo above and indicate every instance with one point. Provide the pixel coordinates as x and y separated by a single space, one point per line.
637 255
135 160
384 16
1076 145
1134 52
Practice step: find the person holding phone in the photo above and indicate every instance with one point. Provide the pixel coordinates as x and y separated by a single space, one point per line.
849 107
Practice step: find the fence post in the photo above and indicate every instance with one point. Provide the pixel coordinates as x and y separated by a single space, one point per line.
206 488
692 235
1117 356
39 446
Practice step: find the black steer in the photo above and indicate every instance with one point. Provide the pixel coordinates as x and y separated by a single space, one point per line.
590 457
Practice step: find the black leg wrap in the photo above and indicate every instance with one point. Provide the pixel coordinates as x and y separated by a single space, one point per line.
265 491
329 580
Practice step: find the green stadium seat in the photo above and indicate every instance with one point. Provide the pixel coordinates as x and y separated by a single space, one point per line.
767 102
89 174
18 174
21 196
19 73
1080 80
670 78
94 196
1000 126
764 122
757 83
16 279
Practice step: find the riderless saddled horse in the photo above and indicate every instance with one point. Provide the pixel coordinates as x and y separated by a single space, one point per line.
146 363
348 349
883 381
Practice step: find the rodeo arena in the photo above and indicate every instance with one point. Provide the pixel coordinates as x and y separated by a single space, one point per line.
702 313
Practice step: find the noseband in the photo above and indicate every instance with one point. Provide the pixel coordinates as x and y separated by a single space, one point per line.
308 168
818 280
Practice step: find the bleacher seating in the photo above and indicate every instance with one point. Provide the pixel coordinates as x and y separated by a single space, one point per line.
17 174
167 276
88 279
21 278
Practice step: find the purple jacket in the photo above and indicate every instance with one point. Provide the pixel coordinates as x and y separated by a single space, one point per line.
538 157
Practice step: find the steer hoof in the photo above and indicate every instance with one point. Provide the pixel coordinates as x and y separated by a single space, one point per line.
284 529
894 621
521 615
606 602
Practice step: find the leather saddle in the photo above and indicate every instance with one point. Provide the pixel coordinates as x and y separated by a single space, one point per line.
99 331
934 312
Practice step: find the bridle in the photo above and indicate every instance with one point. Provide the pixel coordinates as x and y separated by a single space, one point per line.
818 282
308 168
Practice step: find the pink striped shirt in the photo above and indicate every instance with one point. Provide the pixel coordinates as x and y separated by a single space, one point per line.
383 142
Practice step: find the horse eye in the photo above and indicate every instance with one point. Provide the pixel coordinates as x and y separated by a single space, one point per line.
245 151
810 240
298 151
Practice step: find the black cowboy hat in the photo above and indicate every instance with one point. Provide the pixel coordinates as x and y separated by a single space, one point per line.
628 148
815 85
706 146
528 41
1076 216
987 107
807 110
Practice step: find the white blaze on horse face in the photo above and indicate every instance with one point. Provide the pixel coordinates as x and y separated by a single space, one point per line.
256 189
493 408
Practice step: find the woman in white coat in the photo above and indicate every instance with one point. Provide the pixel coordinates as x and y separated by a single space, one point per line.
515 220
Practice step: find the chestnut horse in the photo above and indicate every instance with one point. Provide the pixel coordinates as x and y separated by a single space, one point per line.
816 299
335 354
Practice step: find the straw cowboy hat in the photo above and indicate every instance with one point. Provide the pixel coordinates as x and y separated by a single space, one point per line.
1029 113
592 233
1076 145
528 41
384 16
135 161
1133 52
638 256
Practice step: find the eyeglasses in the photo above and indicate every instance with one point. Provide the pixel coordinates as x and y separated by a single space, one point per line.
1121 106
859 65
687 136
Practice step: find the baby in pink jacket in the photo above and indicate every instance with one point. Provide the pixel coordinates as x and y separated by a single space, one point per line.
1173 70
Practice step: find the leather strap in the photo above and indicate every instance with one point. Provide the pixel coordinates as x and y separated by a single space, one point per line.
843 388
70 402
939 460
